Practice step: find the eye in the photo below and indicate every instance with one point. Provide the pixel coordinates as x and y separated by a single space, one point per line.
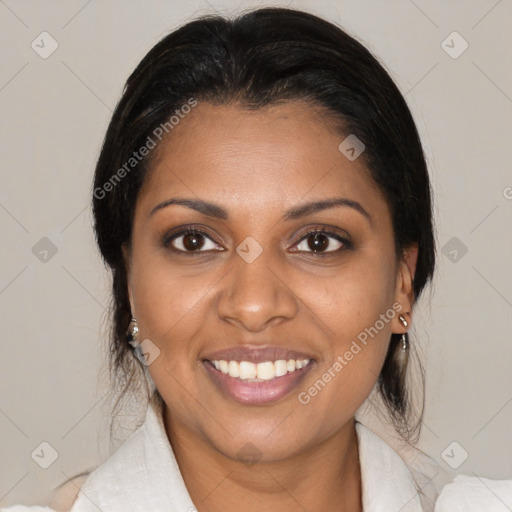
190 240
322 242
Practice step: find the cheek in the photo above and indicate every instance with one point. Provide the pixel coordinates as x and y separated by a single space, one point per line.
169 314
352 298
165 296
168 307
354 307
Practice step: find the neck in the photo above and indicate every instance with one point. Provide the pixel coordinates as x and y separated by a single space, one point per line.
325 476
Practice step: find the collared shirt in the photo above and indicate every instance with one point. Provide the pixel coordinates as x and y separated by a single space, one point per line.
143 476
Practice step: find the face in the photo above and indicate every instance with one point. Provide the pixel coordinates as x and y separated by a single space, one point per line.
241 264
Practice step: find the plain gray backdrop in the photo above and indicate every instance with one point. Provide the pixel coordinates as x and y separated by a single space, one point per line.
451 60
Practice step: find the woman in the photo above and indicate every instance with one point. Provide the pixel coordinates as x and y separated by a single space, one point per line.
263 202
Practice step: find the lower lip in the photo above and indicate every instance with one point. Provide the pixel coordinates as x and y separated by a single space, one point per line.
256 393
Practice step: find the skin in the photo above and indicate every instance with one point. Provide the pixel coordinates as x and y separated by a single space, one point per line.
256 165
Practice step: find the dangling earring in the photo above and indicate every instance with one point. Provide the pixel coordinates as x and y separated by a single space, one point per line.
133 333
404 336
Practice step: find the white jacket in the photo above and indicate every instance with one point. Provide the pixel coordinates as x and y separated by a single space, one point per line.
137 477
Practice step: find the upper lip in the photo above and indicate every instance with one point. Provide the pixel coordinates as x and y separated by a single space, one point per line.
256 354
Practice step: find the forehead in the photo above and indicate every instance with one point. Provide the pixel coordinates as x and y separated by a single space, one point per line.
257 158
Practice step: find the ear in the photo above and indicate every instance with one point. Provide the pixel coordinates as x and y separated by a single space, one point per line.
404 292
125 248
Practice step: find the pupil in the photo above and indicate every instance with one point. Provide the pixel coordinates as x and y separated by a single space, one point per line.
193 241
318 242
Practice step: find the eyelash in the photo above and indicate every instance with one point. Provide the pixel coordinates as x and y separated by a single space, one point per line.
196 231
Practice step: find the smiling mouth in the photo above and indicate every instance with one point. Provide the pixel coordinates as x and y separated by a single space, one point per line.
262 383
248 371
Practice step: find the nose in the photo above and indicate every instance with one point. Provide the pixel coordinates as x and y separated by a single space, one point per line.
255 295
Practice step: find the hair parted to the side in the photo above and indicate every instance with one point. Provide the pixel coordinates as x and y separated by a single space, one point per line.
258 59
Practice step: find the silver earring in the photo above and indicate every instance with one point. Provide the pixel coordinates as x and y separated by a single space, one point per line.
133 333
404 336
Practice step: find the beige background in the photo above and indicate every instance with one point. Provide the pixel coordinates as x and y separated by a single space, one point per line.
54 113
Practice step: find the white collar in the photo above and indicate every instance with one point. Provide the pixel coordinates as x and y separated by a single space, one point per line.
143 475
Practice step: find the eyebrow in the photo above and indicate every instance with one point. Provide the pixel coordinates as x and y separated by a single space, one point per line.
217 212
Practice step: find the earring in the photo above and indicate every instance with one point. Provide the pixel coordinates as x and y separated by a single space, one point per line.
404 336
133 333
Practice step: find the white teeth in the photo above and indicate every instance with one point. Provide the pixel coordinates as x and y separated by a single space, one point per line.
259 372
280 368
224 366
247 370
266 370
234 370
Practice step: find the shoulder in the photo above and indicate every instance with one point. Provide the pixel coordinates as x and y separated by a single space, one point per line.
473 493
63 497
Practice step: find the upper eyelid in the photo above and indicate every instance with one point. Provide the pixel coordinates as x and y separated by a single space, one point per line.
326 230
